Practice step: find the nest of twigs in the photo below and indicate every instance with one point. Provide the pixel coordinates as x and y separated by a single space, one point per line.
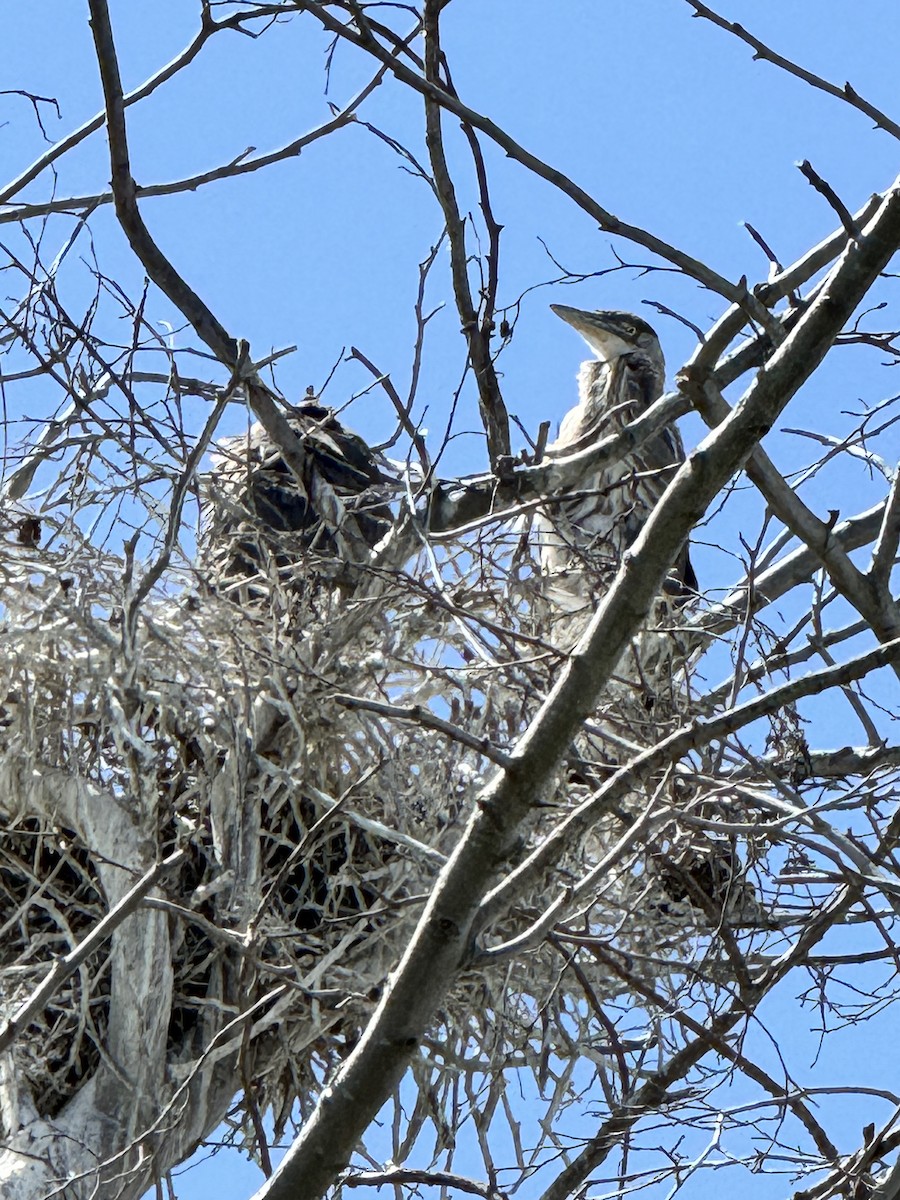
220 718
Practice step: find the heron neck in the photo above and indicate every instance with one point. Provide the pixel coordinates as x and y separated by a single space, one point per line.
613 393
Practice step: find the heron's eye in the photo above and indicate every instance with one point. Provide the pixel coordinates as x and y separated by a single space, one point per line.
630 330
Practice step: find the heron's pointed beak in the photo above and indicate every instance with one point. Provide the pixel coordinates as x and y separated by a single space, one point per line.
604 341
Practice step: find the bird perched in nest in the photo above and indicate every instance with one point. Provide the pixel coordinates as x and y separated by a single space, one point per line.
267 526
586 532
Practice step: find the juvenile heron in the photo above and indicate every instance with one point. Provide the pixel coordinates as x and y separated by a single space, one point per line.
586 532
584 535
265 523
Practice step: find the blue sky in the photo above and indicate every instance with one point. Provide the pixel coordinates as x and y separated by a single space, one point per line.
663 118
666 120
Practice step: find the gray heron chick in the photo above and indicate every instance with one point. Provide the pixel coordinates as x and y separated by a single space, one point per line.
586 532
264 524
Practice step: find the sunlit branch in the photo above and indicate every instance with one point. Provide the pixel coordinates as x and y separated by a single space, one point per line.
667 750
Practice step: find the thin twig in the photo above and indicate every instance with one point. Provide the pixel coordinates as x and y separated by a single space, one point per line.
761 51
419 715
402 410
232 170
493 410
808 171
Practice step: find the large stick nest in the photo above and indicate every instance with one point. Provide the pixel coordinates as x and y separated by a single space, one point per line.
214 719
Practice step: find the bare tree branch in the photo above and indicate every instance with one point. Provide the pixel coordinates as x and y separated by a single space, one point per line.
478 333
442 938
760 50
736 293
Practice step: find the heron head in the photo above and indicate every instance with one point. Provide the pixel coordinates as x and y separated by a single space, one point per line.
612 334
